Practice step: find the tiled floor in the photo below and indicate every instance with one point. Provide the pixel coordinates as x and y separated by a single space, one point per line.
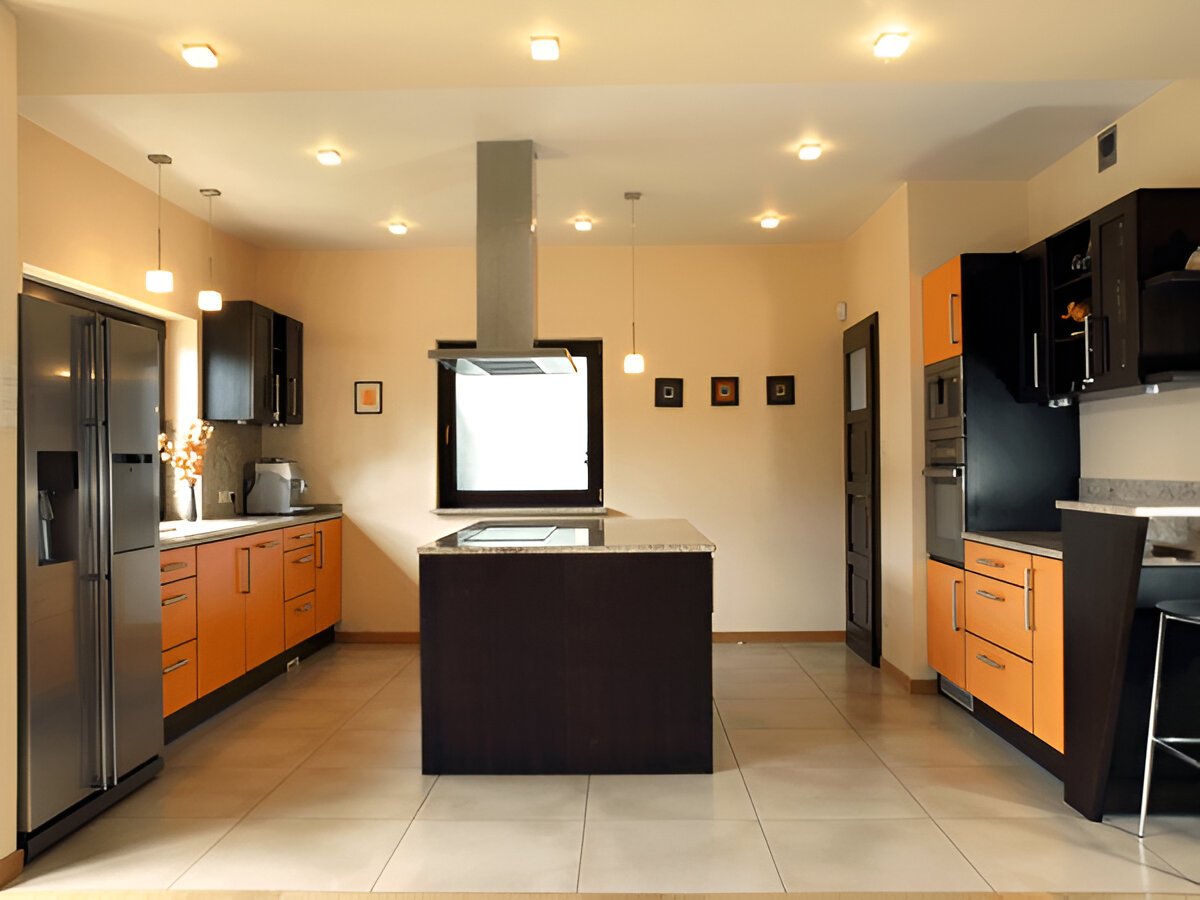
829 779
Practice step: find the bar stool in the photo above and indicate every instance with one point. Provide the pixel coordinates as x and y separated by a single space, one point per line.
1188 612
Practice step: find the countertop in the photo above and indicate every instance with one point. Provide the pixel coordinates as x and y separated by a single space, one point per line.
1039 543
586 535
1141 510
188 534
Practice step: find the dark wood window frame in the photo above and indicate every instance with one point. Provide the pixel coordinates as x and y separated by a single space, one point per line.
450 497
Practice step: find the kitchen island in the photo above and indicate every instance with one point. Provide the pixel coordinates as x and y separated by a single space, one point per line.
567 646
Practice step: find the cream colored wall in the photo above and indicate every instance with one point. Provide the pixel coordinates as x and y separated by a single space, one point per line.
763 483
1158 145
10 285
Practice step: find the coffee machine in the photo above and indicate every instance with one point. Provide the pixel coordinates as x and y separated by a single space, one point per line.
274 487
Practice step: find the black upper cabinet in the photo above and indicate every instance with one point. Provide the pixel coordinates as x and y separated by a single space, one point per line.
252 365
1101 304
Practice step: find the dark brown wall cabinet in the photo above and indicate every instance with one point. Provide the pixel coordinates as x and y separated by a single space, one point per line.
253 363
1135 317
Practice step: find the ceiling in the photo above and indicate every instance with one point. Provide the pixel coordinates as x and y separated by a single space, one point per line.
699 104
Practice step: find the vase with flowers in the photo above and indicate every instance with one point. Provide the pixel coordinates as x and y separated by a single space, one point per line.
187 457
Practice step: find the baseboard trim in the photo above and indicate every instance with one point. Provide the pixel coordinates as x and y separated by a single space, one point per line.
778 637
912 685
377 637
11 866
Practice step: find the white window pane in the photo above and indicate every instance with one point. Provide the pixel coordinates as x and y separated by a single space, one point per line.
522 432
858 379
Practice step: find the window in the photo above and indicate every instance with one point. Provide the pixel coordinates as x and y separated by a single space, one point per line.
522 440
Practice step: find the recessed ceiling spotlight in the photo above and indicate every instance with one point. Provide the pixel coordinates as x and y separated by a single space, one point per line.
397 228
769 222
329 157
544 48
891 44
583 223
200 56
810 151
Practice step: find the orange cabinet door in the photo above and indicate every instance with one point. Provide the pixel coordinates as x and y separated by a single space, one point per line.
997 562
179 677
329 573
1001 612
1048 651
222 583
1000 679
300 614
264 600
296 536
176 564
178 612
944 620
941 302
299 572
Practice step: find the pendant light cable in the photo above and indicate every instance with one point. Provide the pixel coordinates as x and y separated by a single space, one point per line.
633 269
159 167
210 241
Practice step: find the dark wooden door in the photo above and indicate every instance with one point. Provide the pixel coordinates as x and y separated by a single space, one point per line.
860 380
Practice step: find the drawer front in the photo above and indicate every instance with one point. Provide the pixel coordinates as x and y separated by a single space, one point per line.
299 572
1000 679
179 677
174 565
178 612
299 619
996 612
299 536
996 562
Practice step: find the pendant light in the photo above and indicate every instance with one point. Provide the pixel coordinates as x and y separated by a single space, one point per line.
209 300
159 280
635 363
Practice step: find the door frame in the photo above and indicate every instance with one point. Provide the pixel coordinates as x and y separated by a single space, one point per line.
867 645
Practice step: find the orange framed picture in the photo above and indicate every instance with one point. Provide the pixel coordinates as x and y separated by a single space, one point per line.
368 398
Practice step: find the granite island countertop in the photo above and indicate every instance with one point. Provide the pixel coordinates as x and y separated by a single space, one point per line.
1140 509
587 535
188 534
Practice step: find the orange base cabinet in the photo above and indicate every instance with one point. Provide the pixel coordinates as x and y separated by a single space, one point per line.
222 583
300 619
1000 679
179 677
329 573
264 601
944 620
178 612
1048 651
941 306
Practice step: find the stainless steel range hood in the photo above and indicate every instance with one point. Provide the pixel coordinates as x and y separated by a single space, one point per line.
505 270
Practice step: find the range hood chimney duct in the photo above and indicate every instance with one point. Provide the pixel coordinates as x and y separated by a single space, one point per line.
505 270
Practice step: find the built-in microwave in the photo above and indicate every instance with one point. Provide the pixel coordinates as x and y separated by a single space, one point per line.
944 399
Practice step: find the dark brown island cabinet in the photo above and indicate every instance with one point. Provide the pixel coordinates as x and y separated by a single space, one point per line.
253 365
576 646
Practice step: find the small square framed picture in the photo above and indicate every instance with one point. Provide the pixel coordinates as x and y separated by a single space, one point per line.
368 398
668 392
725 391
781 390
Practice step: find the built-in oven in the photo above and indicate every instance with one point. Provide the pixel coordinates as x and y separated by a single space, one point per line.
944 399
945 511
945 461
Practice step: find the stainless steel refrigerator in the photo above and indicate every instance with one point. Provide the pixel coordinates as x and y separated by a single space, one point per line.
90 686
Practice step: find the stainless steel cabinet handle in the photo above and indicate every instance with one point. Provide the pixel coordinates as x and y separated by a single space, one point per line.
178 598
301 537
268 545
172 566
1028 599
276 409
179 665
293 391
305 608
1087 350
990 662
321 549
950 305
246 589
954 605
1035 360
990 563
303 559
988 595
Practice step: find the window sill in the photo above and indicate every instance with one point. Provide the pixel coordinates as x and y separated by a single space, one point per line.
517 511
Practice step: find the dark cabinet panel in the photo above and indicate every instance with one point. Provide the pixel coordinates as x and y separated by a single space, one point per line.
252 365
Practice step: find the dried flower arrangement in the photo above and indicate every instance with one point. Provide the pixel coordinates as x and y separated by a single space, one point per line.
188 457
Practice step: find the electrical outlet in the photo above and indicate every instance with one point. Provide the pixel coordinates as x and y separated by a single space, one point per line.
224 496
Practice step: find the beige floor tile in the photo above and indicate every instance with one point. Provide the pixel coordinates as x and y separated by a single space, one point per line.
751 656
751 674
991 792
284 713
973 746
817 658
858 680
805 748
485 856
1176 839
868 711
124 854
721 795
315 689
780 793
354 748
259 748
515 797
374 717
1060 854
199 792
723 758
892 855
297 855
798 685
781 712
310 793
676 857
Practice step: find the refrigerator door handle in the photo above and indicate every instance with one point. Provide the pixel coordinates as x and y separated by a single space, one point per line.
108 672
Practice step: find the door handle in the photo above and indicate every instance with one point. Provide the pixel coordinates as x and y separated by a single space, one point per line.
1087 350
950 306
320 549
301 537
1028 599
1035 360
178 598
990 563
268 545
305 608
179 665
172 567
954 605
990 662
293 392
988 595
303 559
276 408
246 589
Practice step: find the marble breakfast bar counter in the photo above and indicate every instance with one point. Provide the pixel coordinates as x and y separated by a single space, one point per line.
567 647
